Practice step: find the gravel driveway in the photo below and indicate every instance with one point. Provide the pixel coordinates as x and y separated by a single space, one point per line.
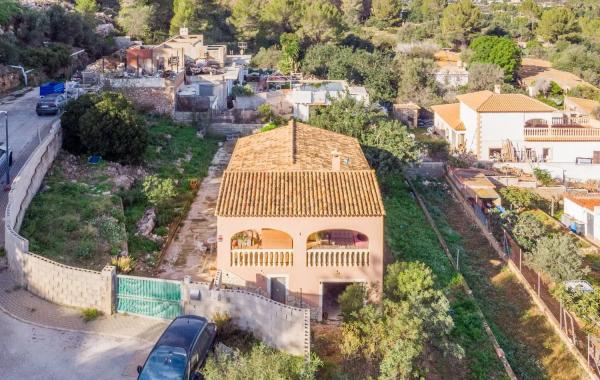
31 352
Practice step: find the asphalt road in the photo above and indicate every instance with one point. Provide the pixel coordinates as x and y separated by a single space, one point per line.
25 129
31 352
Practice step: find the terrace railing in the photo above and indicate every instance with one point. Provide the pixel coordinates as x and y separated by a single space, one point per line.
337 257
259 257
562 134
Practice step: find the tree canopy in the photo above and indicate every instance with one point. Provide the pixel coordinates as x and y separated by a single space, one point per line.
392 338
460 21
500 51
557 22
105 124
387 143
558 257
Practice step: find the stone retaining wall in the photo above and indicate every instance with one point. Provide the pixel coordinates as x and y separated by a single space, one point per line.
280 326
47 279
224 129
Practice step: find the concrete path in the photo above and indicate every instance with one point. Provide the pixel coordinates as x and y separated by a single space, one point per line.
188 253
22 305
31 352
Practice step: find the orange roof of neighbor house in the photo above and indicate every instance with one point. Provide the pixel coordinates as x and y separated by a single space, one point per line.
587 201
587 105
450 113
488 101
287 172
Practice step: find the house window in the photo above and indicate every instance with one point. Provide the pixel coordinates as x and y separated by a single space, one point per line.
546 154
495 153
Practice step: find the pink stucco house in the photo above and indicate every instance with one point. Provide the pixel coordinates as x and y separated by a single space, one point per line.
299 217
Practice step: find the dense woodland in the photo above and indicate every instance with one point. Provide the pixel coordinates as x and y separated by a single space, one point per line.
386 45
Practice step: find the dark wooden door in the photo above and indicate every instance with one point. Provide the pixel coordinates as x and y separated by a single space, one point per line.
278 289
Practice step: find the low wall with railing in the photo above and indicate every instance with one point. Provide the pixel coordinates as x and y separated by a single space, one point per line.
45 278
337 257
280 326
262 257
562 134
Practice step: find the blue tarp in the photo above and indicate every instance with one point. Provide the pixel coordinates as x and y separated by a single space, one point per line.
52 88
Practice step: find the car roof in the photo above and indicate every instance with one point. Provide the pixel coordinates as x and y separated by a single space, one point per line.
182 332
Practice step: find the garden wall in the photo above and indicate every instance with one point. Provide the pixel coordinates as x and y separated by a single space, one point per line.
224 129
280 326
45 278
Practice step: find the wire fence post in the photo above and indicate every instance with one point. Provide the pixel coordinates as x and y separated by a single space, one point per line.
520 259
457 256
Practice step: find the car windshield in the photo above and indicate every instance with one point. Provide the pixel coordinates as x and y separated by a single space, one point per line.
165 363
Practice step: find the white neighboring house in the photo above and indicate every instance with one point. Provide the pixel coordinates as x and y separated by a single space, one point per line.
307 94
516 128
452 76
584 209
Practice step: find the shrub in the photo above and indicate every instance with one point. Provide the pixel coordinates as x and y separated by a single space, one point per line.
352 299
107 125
261 362
269 127
519 198
158 190
239 90
89 314
527 230
558 257
543 176
124 264
585 304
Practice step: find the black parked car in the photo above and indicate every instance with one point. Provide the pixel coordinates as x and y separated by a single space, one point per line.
180 351
50 104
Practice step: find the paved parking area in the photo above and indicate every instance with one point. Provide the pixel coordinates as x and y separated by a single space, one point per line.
31 352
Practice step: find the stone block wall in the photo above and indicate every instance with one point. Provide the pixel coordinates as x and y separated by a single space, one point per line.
224 129
47 279
280 326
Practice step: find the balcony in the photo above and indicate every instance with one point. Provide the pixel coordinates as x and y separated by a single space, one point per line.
337 257
561 133
261 257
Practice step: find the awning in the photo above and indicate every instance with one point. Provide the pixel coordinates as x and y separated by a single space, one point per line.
486 194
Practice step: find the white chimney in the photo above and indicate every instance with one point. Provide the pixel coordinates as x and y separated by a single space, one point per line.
498 88
335 160
183 31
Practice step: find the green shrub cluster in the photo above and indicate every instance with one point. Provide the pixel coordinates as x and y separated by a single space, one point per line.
105 124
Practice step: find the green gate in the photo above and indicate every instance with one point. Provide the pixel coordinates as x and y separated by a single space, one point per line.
147 296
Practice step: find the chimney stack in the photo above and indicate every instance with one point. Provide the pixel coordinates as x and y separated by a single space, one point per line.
335 160
183 31
498 88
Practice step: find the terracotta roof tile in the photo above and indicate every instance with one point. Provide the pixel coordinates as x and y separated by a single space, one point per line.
302 148
487 101
450 113
587 201
299 194
287 172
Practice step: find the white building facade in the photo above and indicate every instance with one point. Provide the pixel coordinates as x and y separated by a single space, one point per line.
516 128
308 94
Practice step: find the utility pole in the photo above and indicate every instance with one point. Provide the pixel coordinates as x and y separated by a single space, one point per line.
23 71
